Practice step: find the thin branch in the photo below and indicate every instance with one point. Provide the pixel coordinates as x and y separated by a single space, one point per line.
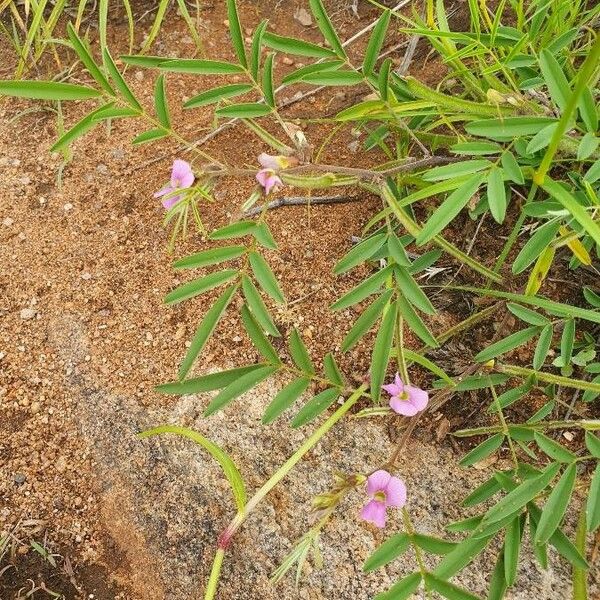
299 201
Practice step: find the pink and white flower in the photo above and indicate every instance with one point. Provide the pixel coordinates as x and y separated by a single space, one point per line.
182 177
385 490
406 400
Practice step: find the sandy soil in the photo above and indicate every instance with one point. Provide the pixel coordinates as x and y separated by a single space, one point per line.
85 337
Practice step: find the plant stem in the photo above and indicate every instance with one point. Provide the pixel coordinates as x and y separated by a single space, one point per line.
228 533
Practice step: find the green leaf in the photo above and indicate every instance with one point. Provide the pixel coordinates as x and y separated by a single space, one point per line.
383 79
298 74
265 277
535 245
376 42
216 94
109 112
258 307
366 321
333 78
496 193
498 583
541 139
363 289
449 209
587 146
567 340
542 347
433 545
199 286
520 496
483 450
285 398
326 27
160 102
476 148
267 81
391 549
238 387
196 66
381 351
593 443
206 329
507 344
592 510
555 79
578 212
236 32
556 505
260 341
511 167
262 234
412 292
560 541
463 554
512 544
403 589
360 253
244 110
588 110
553 449
257 41
158 19
88 61
332 371
79 129
235 230
508 128
300 354
295 46
430 366
229 469
150 136
146 62
397 251
315 406
206 383
454 170
447 589
118 80
579 575
46 90
592 175
415 323
525 314
212 256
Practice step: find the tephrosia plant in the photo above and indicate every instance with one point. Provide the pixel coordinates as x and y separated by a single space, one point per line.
510 136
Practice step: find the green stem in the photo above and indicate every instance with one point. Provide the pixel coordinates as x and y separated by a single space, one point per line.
227 535
586 71
578 384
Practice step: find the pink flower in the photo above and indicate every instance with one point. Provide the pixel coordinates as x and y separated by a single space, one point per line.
182 177
406 400
385 490
269 180
267 176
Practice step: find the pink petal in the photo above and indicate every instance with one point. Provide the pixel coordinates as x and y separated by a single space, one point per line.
171 201
374 512
182 175
377 482
403 407
395 492
417 397
398 381
272 182
164 191
263 176
392 389
269 162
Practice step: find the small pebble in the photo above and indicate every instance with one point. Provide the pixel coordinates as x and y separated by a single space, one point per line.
287 60
68 206
8 222
28 313
19 478
35 408
139 75
303 17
